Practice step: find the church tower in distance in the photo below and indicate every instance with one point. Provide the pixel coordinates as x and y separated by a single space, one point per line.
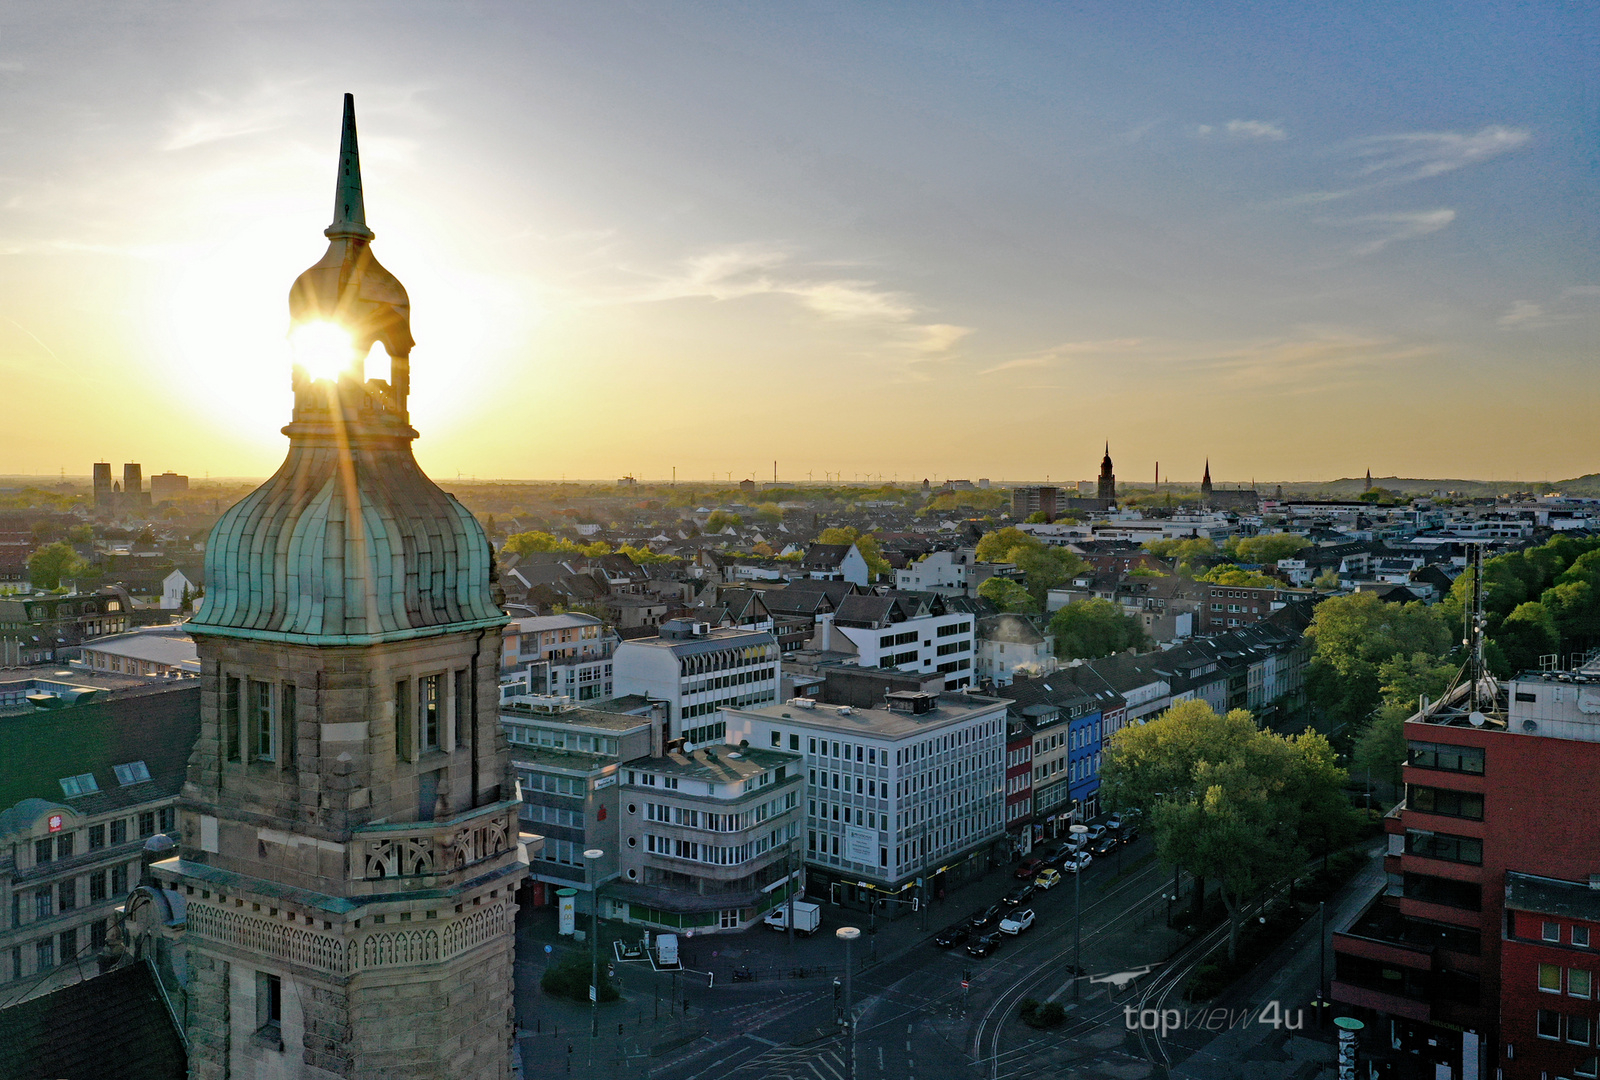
349 853
1108 479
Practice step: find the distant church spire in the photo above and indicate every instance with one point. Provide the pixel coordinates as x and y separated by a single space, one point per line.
349 212
1369 481
1108 480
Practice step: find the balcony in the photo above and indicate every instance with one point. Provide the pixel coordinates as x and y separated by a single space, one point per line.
418 855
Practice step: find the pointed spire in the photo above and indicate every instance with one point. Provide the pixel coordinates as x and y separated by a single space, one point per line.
349 212
1207 477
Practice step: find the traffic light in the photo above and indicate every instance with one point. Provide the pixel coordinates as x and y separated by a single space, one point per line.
838 988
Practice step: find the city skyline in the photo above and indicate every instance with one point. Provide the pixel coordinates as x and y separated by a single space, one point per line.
922 243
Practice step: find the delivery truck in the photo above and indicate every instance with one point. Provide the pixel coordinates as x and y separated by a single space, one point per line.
807 917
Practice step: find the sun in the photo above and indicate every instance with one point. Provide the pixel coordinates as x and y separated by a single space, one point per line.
324 350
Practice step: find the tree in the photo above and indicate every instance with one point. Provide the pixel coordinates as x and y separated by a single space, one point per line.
527 543
770 513
721 519
866 545
1007 595
1038 517
1231 802
1092 628
1527 634
1327 581
1402 680
998 545
1267 548
1229 574
54 563
1043 567
1351 636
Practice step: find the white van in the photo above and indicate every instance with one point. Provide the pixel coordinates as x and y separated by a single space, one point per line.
667 950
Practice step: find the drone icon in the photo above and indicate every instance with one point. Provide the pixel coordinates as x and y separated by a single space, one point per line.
1121 980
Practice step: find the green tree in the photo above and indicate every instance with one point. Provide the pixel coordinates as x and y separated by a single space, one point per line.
1402 680
1527 634
54 563
997 546
769 513
1038 517
527 543
1043 567
1007 595
1229 574
721 519
1092 628
1327 581
1268 547
867 545
1233 803
1351 636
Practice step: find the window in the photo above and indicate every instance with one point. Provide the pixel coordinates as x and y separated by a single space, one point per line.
287 724
67 894
119 880
97 887
269 1003
1589 1066
119 831
97 837
794 742
233 736
1430 800
169 819
1437 890
1578 982
1580 936
84 784
261 721
44 954
430 703
44 903
44 850
1462 849
1550 978
463 717
64 845
777 738
147 825
402 719
97 934
69 945
1578 1030
1550 931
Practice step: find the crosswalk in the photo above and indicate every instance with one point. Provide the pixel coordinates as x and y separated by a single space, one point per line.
794 1063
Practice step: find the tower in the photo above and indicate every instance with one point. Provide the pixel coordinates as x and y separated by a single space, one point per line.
1108 479
349 824
1205 481
102 484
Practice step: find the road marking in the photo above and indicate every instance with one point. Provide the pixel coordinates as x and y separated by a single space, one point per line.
759 1039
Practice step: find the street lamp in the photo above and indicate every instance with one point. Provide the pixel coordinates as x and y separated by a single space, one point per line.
848 934
1078 832
593 856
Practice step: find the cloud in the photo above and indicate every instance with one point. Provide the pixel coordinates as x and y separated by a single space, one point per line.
739 271
1244 130
1419 155
1065 351
1255 129
1016 365
1522 311
1390 228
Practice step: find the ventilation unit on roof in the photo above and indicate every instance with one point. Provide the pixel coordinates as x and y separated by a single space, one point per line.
1529 726
803 702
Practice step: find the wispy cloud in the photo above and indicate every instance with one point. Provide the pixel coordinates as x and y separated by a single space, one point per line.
1571 305
1067 350
1418 155
1522 312
739 271
1391 228
1244 131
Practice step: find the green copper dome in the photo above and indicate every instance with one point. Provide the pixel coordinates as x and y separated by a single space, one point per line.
349 543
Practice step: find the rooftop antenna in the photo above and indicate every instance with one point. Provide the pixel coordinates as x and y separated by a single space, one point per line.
1474 627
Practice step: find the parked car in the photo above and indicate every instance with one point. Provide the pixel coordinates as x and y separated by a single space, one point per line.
1105 846
1019 896
1077 862
1095 833
1115 820
1017 921
985 945
1048 879
951 935
1130 833
1028 868
1076 843
983 918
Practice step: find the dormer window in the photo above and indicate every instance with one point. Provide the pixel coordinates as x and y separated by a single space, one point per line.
134 772
73 786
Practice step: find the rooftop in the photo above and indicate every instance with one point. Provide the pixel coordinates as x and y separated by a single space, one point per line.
722 764
534 624
581 718
1552 896
167 645
947 708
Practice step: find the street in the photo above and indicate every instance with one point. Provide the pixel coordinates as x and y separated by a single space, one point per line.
914 1019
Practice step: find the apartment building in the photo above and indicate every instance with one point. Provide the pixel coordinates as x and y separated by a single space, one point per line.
911 789
84 788
557 655
696 670
708 838
903 631
1454 962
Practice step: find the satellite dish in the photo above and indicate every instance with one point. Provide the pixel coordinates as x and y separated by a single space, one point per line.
1529 726
1477 719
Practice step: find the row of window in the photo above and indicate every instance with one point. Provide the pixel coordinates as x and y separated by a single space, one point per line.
830 849
552 815
1550 930
870 819
1432 845
863 786
58 950
556 785
107 833
1578 982
738 678
715 854
61 897
1566 1027
1447 758
1445 802
562 740
890 641
953 628
738 701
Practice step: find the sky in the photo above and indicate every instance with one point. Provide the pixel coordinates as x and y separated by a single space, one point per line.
900 239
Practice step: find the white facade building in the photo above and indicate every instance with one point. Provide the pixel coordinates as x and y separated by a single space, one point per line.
565 655
943 572
697 670
903 634
893 794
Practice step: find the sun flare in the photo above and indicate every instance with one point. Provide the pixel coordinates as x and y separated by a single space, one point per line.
324 350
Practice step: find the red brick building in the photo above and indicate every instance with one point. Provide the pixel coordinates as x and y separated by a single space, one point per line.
1550 978
1435 963
1019 783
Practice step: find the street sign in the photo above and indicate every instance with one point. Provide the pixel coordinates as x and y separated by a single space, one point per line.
593 995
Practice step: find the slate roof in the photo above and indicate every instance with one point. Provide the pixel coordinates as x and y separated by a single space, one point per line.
42 747
110 1025
824 556
869 612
